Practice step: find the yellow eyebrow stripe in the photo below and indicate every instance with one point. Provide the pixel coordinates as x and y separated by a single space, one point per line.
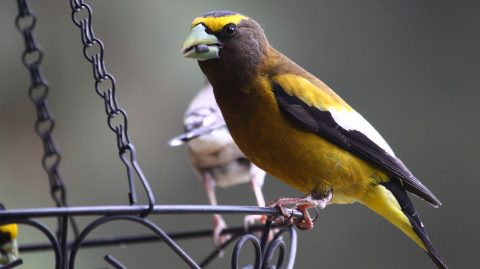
216 24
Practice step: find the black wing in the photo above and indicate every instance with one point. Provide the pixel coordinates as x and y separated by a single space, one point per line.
323 124
407 207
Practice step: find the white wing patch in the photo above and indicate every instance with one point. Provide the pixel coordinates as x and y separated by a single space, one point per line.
352 120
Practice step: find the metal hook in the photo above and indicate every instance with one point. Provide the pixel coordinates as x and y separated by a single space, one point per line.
114 262
316 215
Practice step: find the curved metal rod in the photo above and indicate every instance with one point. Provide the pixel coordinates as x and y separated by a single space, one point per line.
238 247
317 214
114 262
145 222
268 255
136 239
265 252
293 244
143 180
49 234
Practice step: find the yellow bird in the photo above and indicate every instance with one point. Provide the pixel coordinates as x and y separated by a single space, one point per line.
8 242
293 126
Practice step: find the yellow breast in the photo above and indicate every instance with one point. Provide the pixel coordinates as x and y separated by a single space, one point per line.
301 159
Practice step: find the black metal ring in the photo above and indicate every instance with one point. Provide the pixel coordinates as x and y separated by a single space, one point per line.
77 9
293 244
268 256
29 27
317 214
238 247
34 63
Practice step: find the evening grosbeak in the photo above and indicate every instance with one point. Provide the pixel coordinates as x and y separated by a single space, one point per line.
8 242
215 156
296 128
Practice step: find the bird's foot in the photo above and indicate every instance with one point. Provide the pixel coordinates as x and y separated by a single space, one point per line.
252 219
284 218
306 222
218 226
302 204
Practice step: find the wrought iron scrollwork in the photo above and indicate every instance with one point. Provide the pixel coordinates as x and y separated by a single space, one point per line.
146 223
264 250
66 252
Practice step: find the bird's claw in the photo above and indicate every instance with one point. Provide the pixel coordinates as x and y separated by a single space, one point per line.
218 226
284 218
300 204
305 222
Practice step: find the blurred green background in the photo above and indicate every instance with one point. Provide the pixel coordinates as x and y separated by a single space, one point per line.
410 67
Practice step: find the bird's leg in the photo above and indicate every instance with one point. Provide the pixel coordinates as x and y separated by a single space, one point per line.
256 182
305 223
218 223
302 204
257 189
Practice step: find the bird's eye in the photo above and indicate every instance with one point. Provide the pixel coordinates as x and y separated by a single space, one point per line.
230 29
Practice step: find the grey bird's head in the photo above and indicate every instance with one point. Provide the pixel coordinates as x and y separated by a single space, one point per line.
201 117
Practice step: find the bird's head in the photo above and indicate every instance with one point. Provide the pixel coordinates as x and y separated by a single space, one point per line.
8 232
8 243
226 41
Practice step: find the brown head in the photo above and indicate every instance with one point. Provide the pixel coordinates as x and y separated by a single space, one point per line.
229 47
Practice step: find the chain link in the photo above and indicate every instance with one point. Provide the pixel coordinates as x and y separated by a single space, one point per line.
38 91
105 86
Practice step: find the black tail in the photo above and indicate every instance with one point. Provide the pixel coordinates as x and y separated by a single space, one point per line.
395 187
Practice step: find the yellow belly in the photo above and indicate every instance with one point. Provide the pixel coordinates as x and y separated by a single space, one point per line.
301 159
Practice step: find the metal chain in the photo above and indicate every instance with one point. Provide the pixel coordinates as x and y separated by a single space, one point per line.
38 92
93 50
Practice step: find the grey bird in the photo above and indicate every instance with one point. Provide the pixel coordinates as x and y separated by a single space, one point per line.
215 157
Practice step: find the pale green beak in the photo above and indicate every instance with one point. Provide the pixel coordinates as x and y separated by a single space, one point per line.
200 45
